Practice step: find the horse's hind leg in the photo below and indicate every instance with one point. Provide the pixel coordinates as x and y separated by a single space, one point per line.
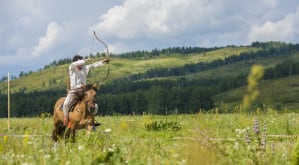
61 131
54 135
55 132
58 131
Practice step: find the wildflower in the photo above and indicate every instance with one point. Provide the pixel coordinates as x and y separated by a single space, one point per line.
236 146
1 147
264 137
5 139
55 146
80 147
247 139
123 125
20 156
256 126
26 139
25 163
47 156
108 130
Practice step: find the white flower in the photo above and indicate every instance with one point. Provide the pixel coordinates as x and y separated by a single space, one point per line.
81 147
108 130
47 156
236 146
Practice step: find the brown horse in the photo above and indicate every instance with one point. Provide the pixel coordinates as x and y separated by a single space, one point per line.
82 115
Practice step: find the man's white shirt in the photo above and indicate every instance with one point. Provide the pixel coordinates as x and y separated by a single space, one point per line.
78 77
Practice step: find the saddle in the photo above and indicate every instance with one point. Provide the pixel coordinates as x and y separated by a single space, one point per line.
78 97
72 106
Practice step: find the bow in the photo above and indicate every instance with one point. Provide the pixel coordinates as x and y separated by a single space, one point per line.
107 56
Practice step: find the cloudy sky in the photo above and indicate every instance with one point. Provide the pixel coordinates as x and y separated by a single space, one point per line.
34 33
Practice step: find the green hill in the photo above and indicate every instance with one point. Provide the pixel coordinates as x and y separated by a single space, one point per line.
55 77
173 80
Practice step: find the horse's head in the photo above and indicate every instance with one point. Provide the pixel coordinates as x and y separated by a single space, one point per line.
90 97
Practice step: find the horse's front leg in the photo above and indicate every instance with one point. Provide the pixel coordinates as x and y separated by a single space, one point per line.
70 133
89 129
73 131
67 135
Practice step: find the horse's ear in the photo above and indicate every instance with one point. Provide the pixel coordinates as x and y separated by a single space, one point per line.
94 85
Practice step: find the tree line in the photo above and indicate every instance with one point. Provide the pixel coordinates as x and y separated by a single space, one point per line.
155 96
267 52
166 51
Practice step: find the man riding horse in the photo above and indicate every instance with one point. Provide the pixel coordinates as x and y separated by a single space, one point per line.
78 72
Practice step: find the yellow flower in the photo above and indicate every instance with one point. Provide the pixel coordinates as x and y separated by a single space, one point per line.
123 125
26 139
1 148
5 139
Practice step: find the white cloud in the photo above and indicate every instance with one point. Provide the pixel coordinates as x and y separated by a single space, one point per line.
192 23
271 31
38 32
152 19
282 30
48 41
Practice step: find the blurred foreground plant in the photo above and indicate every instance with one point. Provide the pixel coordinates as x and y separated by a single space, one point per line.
256 73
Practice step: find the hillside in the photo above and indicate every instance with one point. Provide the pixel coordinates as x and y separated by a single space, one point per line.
55 77
280 94
167 81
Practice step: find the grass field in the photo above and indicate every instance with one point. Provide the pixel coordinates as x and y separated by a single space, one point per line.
202 138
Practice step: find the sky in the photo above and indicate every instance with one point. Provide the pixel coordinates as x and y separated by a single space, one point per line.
34 33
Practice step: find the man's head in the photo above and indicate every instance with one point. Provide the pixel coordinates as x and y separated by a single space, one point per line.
77 57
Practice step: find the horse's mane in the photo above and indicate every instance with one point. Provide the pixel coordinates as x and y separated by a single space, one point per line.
89 87
85 89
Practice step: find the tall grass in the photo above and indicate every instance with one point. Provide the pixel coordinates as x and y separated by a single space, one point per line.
203 138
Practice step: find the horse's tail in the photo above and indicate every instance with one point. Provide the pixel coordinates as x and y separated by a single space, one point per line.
57 121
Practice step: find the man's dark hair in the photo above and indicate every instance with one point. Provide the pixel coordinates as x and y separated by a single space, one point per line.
77 57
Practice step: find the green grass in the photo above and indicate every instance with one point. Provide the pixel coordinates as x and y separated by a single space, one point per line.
204 138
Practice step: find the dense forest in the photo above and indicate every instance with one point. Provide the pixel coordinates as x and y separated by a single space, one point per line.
139 93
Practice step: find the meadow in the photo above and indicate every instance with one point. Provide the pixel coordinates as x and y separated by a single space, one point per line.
203 138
